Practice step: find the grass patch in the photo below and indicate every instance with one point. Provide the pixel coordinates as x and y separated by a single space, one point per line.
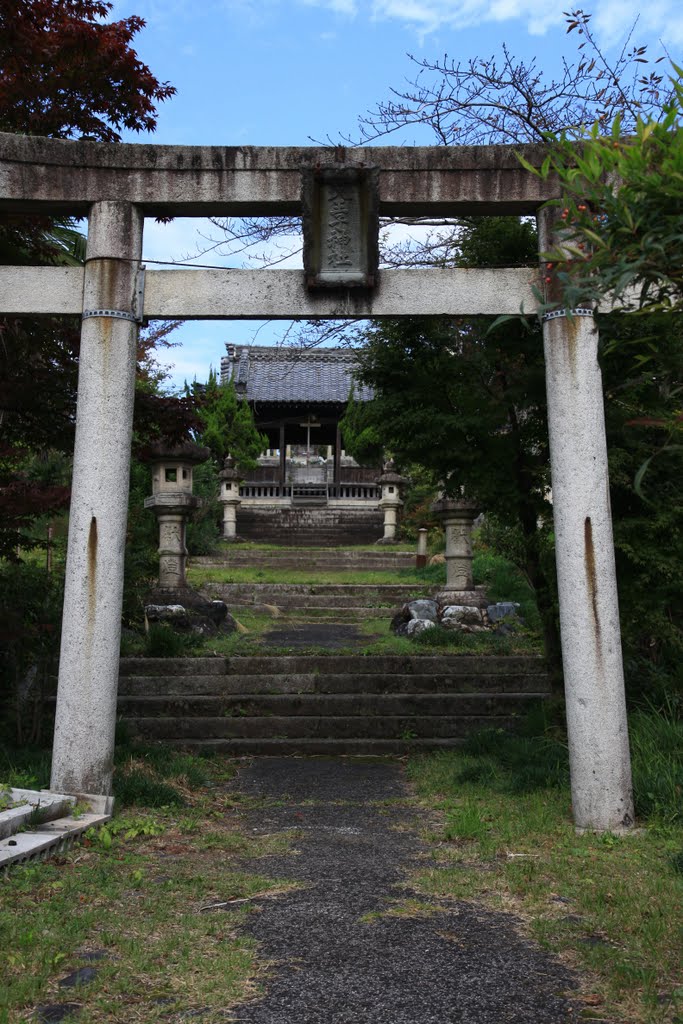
609 905
198 576
228 547
505 582
158 896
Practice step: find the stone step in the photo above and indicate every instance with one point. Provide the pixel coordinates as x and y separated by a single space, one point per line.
271 593
343 616
331 683
455 665
373 704
326 557
324 747
316 570
177 729
329 707
291 602
337 554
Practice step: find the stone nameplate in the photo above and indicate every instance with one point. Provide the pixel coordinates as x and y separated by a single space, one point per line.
341 227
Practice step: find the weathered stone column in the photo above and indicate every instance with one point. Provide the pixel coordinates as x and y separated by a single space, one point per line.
172 548
457 516
390 482
229 498
82 758
421 555
586 574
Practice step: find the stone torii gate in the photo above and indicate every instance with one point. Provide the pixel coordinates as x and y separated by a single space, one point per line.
340 193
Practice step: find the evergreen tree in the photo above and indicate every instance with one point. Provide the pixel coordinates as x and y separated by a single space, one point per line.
227 423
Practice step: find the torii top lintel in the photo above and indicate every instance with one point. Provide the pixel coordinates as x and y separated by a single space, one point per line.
55 175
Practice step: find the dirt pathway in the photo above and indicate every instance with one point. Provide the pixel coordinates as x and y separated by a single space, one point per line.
337 956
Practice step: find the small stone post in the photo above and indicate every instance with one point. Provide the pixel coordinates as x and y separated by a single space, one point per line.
421 556
172 501
390 482
586 574
457 516
83 750
230 498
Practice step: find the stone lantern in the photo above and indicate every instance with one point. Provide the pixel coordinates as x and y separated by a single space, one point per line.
390 502
230 498
457 516
172 502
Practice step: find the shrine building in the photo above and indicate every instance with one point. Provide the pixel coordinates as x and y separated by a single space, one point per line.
306 488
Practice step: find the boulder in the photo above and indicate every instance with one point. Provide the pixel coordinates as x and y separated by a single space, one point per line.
455 615
422 608
503 610
174 614
189 612
417 626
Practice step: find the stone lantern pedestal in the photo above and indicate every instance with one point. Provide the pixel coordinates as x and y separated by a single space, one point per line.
457 516
230 498
390 482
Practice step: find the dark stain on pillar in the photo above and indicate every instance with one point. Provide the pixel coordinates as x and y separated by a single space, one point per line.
92 569
589 559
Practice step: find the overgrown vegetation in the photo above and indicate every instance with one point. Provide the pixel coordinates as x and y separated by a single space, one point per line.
141 901
608 904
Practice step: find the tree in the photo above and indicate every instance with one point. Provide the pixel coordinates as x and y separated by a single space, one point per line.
621 206
360 432
499 99
227 423
468 403
65 73
503 100
647 519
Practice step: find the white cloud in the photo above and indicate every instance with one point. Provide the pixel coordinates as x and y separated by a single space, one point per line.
611 18
347 7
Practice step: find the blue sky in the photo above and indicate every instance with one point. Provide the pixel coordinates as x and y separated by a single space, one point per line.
286 72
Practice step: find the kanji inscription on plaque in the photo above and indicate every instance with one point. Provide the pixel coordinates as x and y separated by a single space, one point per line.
341 227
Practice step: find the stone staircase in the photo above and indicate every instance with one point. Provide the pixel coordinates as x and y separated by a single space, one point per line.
309 559
311 524
336 704
315 602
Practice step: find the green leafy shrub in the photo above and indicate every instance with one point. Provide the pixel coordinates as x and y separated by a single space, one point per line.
657 763
30 622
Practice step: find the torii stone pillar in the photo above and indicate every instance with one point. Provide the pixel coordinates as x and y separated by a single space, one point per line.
82 759
586 575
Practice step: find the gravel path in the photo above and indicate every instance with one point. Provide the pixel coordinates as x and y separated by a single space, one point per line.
329 635
358 842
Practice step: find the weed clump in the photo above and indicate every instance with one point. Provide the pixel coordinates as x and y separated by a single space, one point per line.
164 642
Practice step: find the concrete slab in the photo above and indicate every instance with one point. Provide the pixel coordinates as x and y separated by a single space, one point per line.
49 839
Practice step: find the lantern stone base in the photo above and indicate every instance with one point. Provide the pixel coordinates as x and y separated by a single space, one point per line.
187 611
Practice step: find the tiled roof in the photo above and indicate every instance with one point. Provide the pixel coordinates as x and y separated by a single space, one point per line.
293 375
